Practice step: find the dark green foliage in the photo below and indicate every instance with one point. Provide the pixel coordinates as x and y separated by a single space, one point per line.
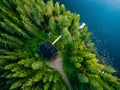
22 30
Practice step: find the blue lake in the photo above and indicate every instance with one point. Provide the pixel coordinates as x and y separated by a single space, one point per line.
103 20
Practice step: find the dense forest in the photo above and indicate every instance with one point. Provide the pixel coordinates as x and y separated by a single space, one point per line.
23 26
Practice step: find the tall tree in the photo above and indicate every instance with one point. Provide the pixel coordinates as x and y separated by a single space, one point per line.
23 25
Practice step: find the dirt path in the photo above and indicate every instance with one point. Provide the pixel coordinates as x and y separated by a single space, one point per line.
57 64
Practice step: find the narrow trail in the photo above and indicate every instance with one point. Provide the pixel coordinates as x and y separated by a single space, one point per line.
57 64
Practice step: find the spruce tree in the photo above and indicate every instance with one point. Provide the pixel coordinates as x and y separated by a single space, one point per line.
22 30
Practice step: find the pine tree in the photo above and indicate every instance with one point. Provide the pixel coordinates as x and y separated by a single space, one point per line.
22 30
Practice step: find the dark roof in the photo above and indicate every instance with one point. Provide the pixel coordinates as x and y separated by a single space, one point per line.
47 50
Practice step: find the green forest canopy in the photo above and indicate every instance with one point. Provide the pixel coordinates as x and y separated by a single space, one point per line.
22 30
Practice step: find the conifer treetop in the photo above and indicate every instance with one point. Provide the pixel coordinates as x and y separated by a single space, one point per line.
23 25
